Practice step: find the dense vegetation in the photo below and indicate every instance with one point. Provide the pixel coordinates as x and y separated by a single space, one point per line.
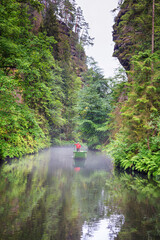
41 59
135 120
42 62
49 92
94 107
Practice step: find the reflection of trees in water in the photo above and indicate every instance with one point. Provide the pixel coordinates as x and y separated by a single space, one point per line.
42 201
62 215
91 196
115 224
34 204
138 200
17 204
37 202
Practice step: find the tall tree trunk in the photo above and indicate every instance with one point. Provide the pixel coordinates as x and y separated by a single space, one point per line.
153 16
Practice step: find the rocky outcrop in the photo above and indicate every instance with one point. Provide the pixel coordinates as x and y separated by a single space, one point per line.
123 42
69 48
132 30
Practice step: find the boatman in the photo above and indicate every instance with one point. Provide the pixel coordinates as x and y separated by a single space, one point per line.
78 146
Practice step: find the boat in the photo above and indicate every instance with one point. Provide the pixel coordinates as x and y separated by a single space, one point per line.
80 154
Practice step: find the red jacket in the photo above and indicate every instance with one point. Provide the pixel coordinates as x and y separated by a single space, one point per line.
78 145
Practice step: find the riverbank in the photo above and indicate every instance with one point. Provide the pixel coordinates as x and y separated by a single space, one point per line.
144 161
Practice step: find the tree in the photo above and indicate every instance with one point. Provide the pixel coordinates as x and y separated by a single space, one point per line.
137 142
94 107
153 16
30 88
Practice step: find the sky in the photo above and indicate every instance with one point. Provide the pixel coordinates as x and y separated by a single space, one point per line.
98 15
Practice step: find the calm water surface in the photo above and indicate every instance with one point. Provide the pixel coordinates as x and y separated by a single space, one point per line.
50 196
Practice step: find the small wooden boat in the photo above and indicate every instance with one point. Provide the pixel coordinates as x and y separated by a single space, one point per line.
80 154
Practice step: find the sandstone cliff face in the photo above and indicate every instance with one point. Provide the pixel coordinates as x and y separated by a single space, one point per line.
70 49
122 41
67 48
37 21
132 30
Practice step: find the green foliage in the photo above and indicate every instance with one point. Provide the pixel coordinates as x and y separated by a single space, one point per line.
50 26
20 131
42 86
136 156
141 109
27 82
71 86
31 84
93 108
136 146
38 93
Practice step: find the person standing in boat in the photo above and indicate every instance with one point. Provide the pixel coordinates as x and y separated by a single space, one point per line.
78 146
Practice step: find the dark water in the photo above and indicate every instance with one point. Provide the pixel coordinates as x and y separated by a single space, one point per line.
49 196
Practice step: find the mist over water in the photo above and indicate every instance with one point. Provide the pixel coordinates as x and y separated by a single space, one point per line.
52 196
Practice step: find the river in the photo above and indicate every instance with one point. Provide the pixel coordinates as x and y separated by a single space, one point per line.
50 196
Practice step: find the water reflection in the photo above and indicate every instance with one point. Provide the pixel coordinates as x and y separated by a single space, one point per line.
79 164
51 196
138 199
107 228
